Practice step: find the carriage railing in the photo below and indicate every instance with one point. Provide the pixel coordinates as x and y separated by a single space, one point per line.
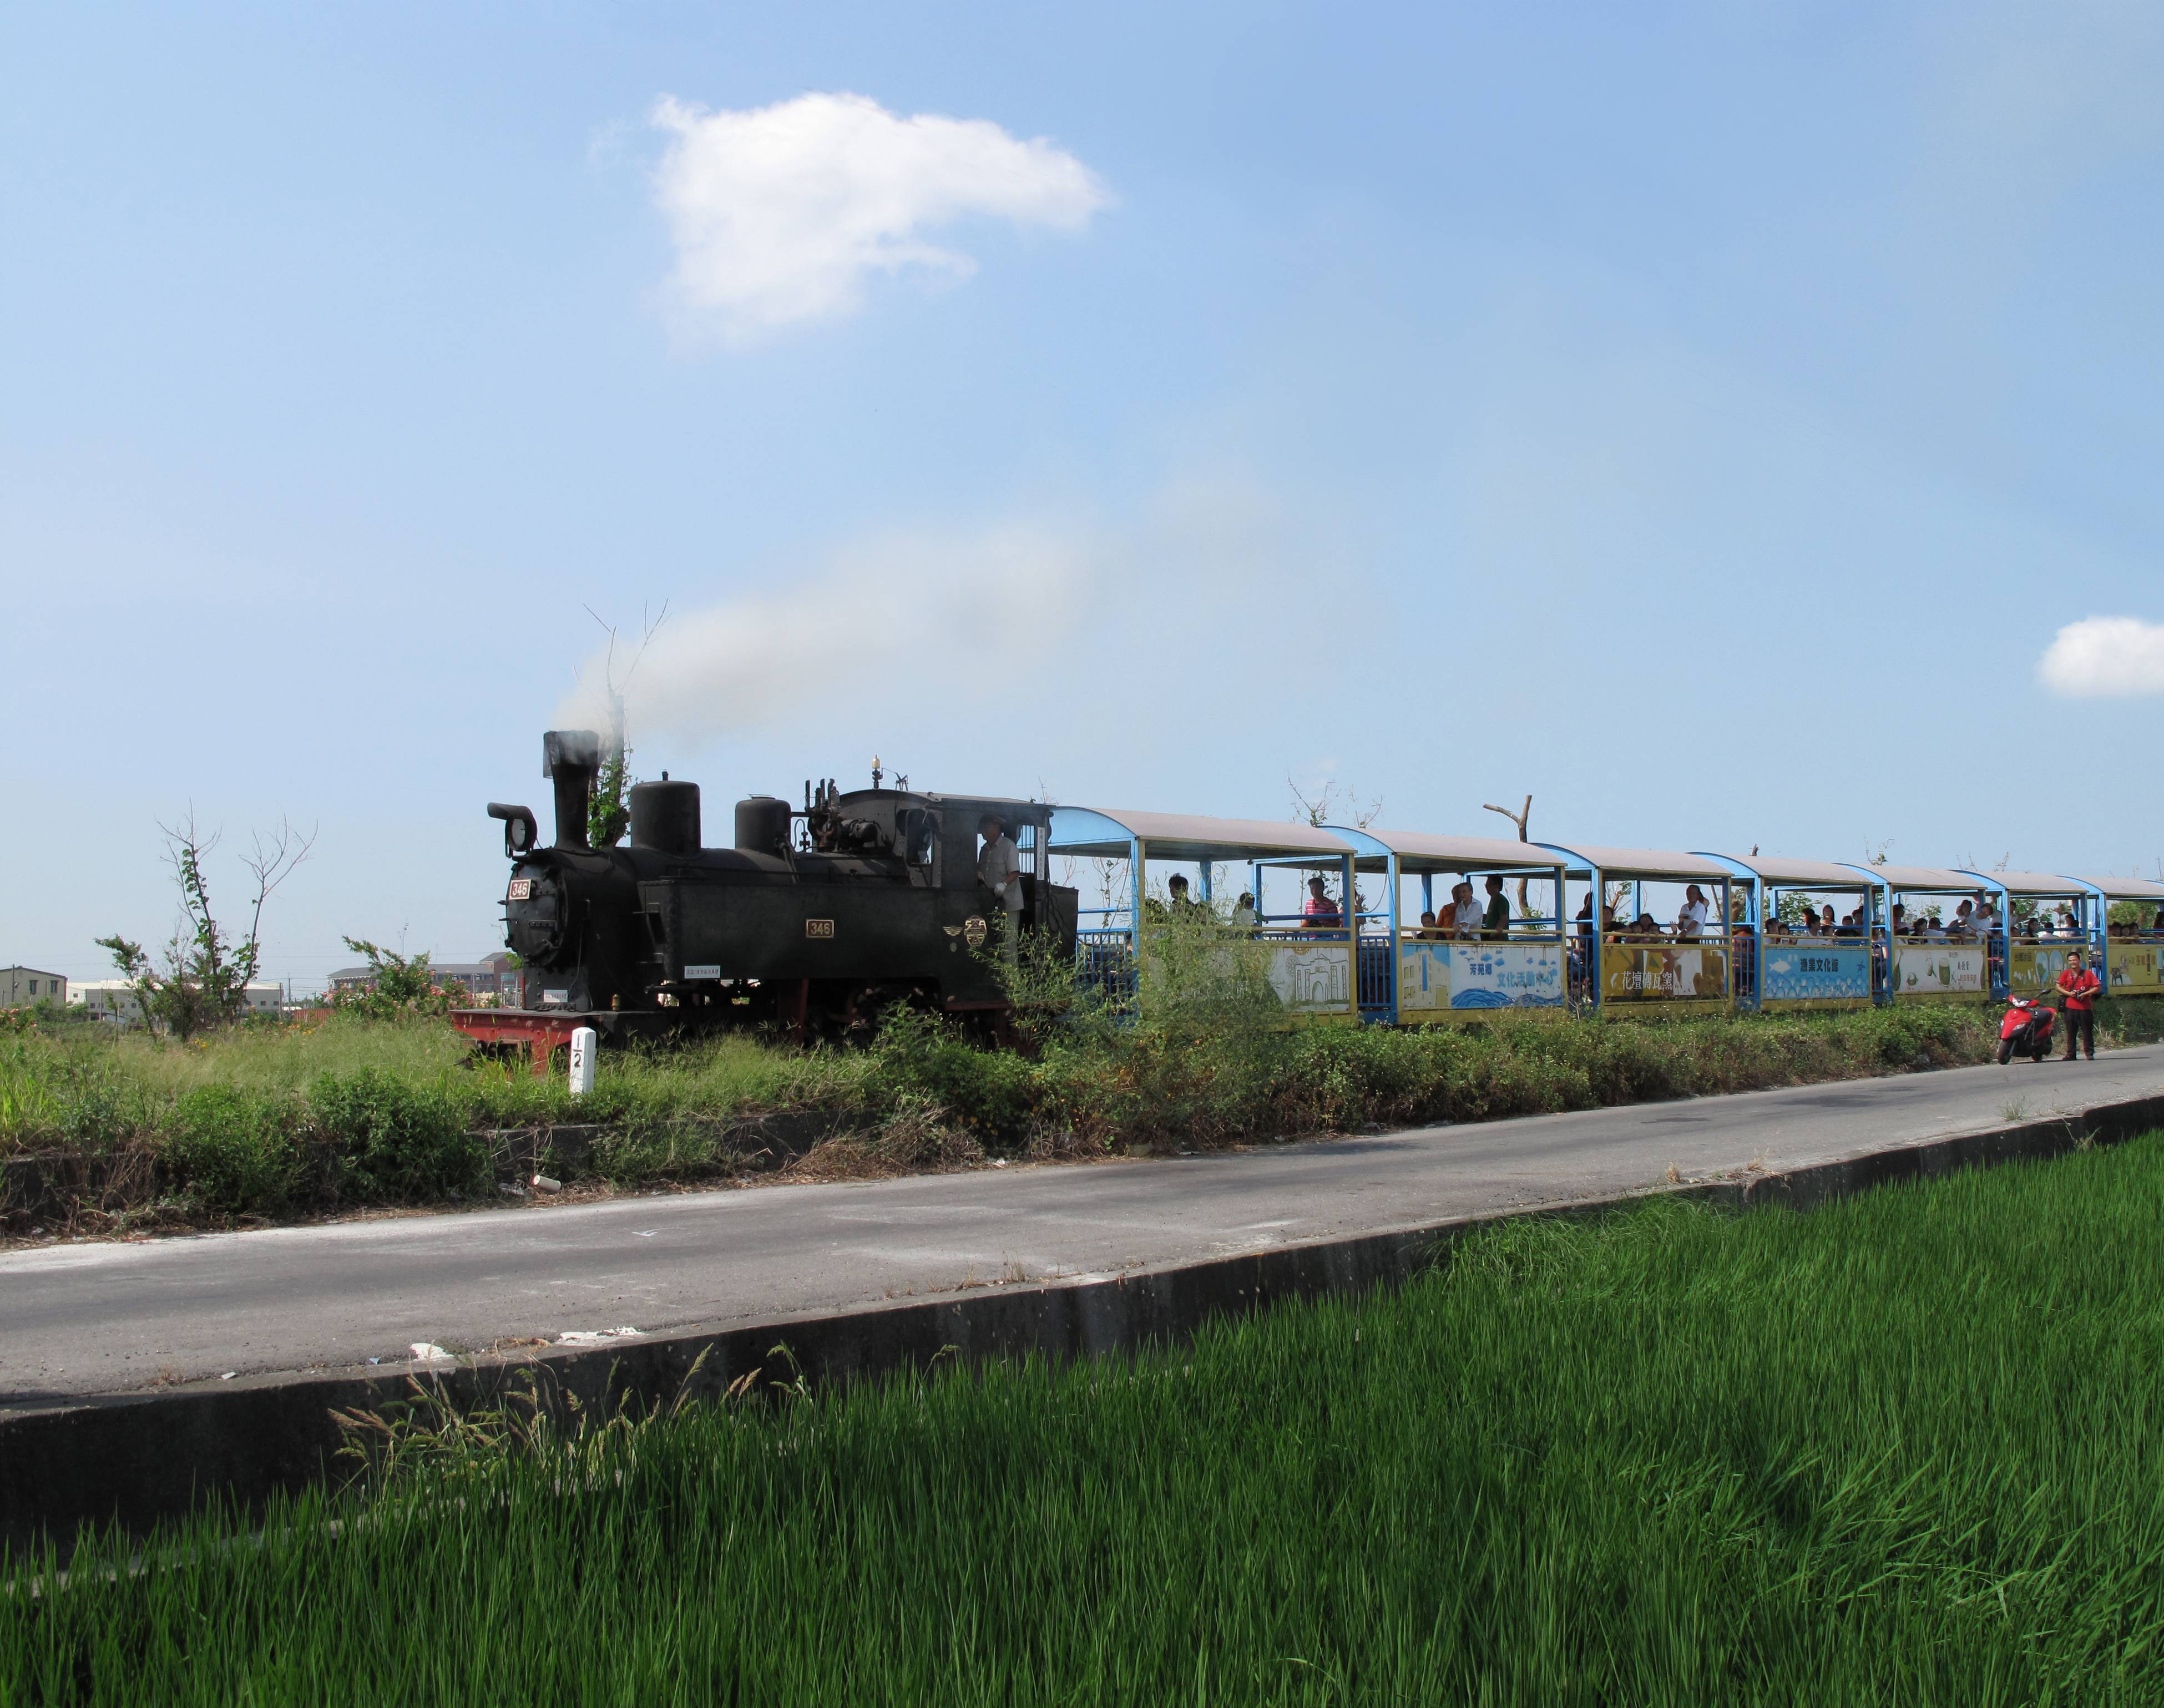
1104 963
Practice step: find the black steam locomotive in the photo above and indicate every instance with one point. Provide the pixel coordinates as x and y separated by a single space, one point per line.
815 919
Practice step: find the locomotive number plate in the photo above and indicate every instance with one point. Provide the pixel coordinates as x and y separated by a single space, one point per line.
702 971
522 889
818 928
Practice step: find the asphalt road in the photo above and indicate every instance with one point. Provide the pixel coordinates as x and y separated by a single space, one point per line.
97 1317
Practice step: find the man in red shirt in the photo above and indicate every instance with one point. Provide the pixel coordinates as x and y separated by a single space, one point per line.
2078 987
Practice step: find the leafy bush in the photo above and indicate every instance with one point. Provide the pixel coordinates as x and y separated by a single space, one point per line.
234 1149
390 1140
921 1057
399 988
399 1112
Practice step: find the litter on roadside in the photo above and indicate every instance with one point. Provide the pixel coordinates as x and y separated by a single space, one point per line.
542 1183
427 1352
594 1337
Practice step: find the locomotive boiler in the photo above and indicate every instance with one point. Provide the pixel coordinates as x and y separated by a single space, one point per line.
817 918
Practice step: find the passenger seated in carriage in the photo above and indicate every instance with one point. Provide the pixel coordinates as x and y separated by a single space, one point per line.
1495 917
1320 914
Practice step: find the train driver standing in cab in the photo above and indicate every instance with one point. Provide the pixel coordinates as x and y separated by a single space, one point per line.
999 869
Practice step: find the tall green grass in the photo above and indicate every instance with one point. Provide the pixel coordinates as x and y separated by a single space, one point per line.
1907 1449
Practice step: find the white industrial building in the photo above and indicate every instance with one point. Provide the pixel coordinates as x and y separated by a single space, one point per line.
113 1000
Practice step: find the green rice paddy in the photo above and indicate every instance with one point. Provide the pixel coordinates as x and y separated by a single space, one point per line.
1908 1448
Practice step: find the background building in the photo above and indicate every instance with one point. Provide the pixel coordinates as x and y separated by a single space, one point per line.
21 986
108 1000
113 1001
495 977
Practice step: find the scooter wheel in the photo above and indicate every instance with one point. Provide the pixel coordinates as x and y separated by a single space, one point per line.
2006 1052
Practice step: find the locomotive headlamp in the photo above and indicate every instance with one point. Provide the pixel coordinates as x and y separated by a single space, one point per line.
519 831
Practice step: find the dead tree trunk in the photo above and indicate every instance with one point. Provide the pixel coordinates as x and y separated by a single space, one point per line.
1521 818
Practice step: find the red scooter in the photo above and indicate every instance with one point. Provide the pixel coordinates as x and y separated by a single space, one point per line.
2026 1031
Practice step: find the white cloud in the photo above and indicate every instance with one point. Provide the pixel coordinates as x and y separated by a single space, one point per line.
2105 658
781 213
905 623
1054 640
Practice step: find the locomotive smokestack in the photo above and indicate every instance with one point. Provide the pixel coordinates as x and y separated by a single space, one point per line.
572 758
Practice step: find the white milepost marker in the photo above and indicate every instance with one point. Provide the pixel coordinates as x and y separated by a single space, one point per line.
586 1043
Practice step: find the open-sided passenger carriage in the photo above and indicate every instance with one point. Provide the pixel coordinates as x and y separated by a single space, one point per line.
1417 977
1786 966
2134 951
1310 960
1650 973
1920 968
2030 951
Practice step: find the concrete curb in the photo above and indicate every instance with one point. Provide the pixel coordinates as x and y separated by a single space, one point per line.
140 1459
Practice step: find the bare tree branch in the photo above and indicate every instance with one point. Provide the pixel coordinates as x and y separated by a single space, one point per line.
1335 800
271 863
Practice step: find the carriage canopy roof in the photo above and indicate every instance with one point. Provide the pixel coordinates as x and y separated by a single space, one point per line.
1926 877
2126 889
1641 862
2032 882
1813 874
1418 851
1109 833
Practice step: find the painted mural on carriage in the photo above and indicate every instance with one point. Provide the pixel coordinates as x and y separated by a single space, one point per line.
1924 969
1433 976
1827 973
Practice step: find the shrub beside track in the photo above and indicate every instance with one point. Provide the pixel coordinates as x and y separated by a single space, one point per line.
125 1133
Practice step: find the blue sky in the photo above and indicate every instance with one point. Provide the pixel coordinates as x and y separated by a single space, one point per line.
1703 418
